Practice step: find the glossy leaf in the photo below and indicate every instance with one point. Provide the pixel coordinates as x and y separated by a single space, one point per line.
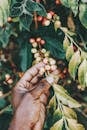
74 63
74 125
82 73
69 52
58 125
68 112
4 11
66 43
64 97
83 14
26 20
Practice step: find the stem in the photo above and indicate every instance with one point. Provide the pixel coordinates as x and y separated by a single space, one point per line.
5 95
4 109
72 41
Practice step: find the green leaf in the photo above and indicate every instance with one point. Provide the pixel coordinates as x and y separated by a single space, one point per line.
64 97
82 70
73 125
69 52
2 103
83 14
65 3
83 55
41 10
57 115
4 11
66 43
74 63
55 47
16 9
52 102
68 112
58 125
73 4
25 56
26 20
32 6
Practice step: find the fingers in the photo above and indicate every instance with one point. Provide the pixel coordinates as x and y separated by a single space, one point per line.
33 71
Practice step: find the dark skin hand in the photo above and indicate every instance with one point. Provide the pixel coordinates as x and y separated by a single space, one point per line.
29 100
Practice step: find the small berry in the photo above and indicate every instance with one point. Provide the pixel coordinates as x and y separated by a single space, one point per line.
42 42
39 18
34 44
33 50
47 54
49 16
36 55
43 50
7 76
47 67
9 19
52 13
32 40
10 81
38 39
38 59
53 67
52 61
46 22
45 60
57 24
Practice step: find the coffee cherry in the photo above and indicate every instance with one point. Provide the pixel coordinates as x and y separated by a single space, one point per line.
7 76
9 19
46 22
32 40
38 59
10 81
39 18
53 67
57 24
42 71
45 60
43 50
47 67
38 39
42 42
49 16
33 50
34 44
52 13
52 61
36 55
47 54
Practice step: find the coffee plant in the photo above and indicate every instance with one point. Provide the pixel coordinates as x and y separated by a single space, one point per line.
53 32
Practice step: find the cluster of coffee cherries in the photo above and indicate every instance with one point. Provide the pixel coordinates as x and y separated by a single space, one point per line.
42 55
51 17
8 79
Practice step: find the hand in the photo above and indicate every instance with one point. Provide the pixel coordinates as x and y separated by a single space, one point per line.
29 101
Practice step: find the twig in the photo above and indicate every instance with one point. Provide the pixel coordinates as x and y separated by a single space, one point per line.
4 109
5 95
